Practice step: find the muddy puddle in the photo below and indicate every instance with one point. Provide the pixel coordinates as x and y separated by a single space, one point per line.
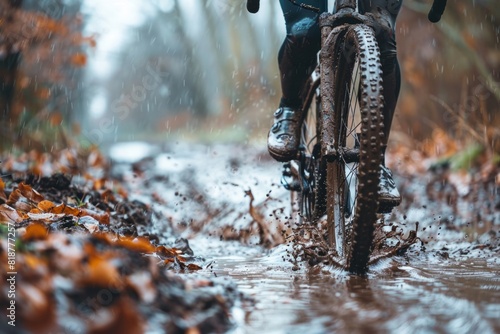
228 203
422 297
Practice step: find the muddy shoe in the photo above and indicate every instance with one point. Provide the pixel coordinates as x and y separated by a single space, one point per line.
283 139
388 194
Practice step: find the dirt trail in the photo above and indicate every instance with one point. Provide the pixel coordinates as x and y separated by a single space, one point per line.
200 223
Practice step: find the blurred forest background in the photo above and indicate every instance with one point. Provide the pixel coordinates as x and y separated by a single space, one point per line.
92 73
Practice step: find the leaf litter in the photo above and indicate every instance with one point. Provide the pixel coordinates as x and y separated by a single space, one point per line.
85 265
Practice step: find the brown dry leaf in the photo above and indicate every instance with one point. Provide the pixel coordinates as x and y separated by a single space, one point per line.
138 244
30 193
66 209
91 224
193 266
99 184
122 192
99 272
108 196
35 231
105 237
19 202
9 214
79 59
2 191
102 218
162 250
46 206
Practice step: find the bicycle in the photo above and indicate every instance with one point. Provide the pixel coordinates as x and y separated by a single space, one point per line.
337 170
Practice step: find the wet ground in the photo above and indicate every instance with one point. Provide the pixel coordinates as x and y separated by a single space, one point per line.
227 201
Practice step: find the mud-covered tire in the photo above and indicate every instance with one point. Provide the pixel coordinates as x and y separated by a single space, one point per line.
352 189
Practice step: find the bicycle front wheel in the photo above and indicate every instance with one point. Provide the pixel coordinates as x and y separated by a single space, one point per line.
353 176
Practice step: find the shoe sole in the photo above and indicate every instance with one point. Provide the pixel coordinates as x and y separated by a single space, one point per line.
281 157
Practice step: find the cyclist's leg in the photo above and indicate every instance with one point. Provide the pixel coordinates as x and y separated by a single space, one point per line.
297 55
296 59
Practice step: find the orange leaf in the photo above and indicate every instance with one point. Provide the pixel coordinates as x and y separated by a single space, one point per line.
30 193
99 184
63 208
104 237
18 201
193 266
100 272
46 206
33 261
79 59
2 192
162 250
138 244
35 231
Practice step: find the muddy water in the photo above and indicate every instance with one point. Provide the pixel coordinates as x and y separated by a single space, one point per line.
202 194
424 296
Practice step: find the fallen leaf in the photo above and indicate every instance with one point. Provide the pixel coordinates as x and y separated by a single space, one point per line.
30 193
19 202
2 191
79 59
99 272
45 216
102 218
91 224
162 250
9 214
193 266
46 206
138 244
66 209
35 231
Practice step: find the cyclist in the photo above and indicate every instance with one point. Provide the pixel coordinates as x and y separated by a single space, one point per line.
297 59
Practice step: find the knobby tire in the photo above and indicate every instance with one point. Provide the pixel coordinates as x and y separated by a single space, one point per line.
352 188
